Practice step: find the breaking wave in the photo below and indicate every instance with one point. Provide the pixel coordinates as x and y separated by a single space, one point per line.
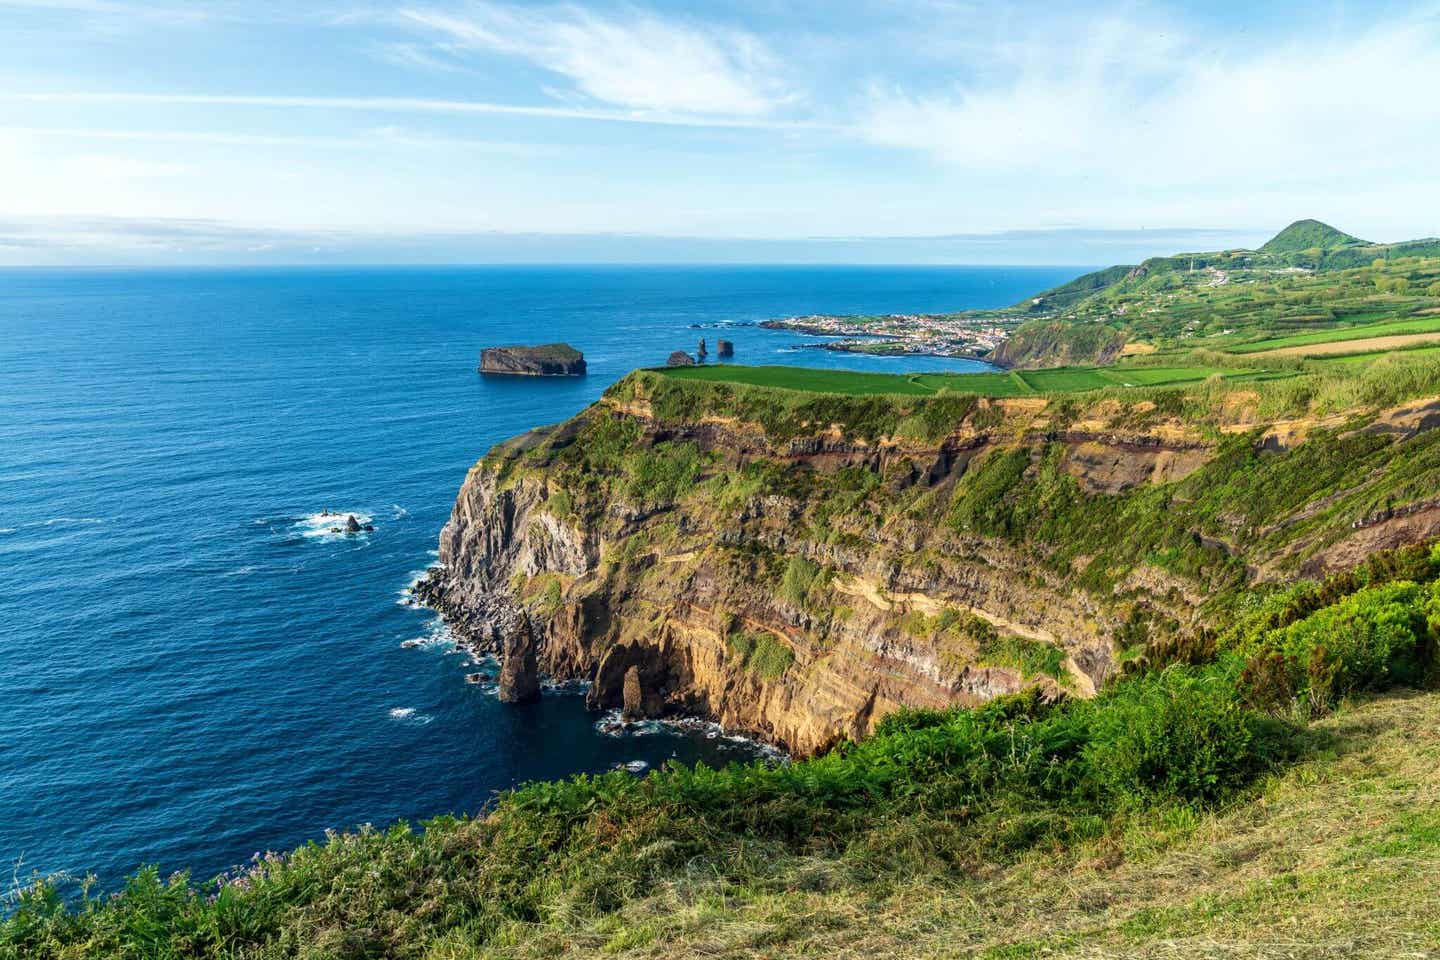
613 725
330 524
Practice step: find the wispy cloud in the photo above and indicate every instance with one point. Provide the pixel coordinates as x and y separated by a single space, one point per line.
194 240
372 139
414 105
635 60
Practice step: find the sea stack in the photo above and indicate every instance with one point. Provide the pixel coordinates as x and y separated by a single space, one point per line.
546 360
680 359
519 673
702 353
724 349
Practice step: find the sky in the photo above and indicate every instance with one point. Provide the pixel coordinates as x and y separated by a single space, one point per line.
914 131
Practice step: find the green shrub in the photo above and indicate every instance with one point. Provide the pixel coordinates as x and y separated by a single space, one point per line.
800 578
763 654
1031 657
1372 639
772 657
1177 735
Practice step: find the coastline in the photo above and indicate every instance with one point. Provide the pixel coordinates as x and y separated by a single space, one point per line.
480 635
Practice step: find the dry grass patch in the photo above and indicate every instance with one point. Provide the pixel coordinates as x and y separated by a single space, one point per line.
1337 857
1365 345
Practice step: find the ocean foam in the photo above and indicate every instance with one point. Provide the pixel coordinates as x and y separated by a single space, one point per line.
406 596
437 634
612 725
331 525
54 520
408 715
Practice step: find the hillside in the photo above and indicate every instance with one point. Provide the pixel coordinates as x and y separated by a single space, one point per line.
1309 279
1310 235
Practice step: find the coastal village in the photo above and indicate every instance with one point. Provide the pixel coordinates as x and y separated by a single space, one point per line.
898 334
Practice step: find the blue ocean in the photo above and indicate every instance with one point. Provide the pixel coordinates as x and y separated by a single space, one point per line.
193 668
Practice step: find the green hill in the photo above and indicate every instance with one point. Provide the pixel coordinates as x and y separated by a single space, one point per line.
1310 282
1310 235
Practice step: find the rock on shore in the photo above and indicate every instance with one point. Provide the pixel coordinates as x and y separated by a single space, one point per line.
547 360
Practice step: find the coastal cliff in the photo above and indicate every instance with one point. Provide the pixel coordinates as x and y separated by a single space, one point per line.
800 565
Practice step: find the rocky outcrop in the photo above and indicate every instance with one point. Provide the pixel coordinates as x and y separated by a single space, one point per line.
724 349
680 359
1054 343
519 669
548 360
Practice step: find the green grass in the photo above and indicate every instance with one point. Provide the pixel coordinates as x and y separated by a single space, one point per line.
847 382
986 384
1392 328
1014 383
1358 359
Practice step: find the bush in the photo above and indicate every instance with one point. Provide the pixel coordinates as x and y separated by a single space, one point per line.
801 576
1375 638
1031 657
1177 735
763 654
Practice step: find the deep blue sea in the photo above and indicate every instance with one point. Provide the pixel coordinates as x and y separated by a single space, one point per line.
192 669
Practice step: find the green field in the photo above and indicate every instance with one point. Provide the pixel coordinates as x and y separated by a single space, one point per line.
1013 383
1390 328
1360 359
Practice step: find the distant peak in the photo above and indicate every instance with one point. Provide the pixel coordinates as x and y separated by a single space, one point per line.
1309 234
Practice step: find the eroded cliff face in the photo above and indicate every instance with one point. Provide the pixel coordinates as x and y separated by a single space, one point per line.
801 576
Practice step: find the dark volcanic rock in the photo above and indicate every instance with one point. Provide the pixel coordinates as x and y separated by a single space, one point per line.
519 672
351 524
680 359
702 353
724 348
548 360
633 695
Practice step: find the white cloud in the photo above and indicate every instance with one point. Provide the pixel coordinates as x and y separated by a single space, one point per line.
1139 103
367 140
638 61
415 105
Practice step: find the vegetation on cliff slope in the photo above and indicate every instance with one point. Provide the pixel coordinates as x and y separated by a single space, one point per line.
1052 343
950 800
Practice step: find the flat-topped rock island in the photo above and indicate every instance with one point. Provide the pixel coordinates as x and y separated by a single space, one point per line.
546 360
